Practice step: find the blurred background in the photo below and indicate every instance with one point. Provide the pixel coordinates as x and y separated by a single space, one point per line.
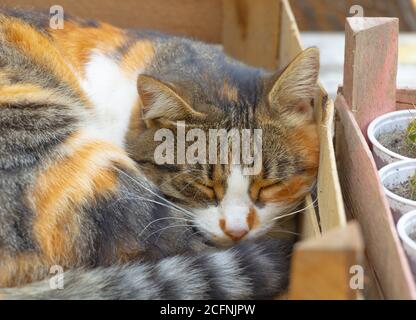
321 23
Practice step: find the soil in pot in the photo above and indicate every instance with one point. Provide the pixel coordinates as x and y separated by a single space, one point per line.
396 141
405 189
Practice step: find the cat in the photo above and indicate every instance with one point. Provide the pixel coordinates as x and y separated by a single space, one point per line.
79 184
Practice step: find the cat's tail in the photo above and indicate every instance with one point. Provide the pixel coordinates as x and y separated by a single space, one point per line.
251 270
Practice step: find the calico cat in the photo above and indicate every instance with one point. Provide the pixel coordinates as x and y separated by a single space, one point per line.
79 184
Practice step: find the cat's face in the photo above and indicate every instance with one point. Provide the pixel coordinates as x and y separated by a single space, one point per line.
228 201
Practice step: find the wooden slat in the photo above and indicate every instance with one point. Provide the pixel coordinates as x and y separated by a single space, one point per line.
365 199
370 67
308 221
251 31
331 204
321 266
196 18
290 44
405 98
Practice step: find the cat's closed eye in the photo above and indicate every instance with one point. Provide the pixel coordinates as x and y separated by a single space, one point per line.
266 193
207 188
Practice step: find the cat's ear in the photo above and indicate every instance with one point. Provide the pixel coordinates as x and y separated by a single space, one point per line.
160 101
296 85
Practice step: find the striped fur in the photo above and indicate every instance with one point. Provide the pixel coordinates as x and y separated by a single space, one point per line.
79 186
247 271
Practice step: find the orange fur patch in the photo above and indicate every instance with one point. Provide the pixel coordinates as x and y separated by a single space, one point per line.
209 192
222 225
27 93
64 187
288 191
22 268
306 140
76 42
138 56
37 46
217 183
14 92
252 218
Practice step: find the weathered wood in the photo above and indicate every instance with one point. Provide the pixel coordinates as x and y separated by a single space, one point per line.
331 205
405 98
308 224
372 289
251 31
365 199
370 67
196 18
289 44
321 266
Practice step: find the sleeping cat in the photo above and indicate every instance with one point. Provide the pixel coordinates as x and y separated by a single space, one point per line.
79 184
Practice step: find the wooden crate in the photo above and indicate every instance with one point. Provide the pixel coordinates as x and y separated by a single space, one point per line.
261 33
369 90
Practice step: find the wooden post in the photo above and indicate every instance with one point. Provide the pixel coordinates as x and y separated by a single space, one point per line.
370 67
322 267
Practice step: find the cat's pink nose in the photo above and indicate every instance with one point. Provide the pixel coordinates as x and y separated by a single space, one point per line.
235 233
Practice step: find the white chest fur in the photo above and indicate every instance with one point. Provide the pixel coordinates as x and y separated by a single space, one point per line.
113 94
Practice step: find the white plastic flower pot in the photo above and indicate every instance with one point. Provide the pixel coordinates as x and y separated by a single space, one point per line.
392 175
406 228
389 122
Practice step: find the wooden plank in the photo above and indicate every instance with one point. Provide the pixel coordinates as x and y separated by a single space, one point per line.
308 224
331 205
321 266
372 289
370 67
289 44
365 199
405 98
195 18
250 31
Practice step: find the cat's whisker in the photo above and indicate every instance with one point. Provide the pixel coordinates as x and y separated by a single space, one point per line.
173 177
165 218
152 192
153 201
165 228
296 211
190 235
285 231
